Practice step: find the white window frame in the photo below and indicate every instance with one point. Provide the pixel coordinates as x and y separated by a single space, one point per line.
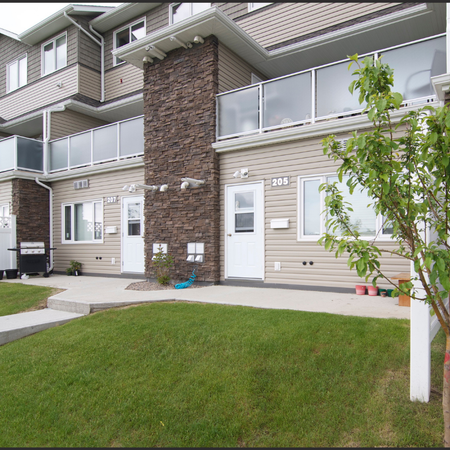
255 6
43 74
300 212
72 222
171 6
8 65
4 210
129 26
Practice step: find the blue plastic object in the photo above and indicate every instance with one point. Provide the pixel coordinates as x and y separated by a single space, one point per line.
187 283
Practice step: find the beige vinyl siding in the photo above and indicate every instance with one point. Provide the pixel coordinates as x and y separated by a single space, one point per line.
123 80
234 72
88 50
6 193
71 122
89 82
285 21
100 187
298 158
232 10
39 94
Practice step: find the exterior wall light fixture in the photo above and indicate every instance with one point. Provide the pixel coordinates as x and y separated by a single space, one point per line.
191 183
132 187
147 59
243 173
198 40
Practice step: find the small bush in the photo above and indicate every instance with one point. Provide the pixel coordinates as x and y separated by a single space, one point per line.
162 262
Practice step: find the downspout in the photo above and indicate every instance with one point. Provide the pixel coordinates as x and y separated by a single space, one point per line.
101 43
50 201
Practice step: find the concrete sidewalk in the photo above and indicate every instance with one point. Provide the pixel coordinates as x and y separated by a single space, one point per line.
84 295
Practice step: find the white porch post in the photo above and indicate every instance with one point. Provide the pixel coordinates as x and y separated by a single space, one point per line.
448 36
420 358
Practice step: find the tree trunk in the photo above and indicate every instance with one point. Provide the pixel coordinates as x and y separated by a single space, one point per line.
446 394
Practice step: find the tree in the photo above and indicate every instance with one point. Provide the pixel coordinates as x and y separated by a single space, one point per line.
405 171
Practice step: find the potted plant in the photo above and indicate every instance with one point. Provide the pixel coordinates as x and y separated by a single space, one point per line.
75 267
69 271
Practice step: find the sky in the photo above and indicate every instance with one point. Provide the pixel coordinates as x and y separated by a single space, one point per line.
19 17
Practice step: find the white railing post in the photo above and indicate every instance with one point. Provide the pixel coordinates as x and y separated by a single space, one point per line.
313 96
261 105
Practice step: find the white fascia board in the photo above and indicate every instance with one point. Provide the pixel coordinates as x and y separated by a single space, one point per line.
210 21
121 14
56 22
9 34
441 85
113 166
325 128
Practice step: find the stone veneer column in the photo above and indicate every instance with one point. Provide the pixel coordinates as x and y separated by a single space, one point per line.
30 204
179 128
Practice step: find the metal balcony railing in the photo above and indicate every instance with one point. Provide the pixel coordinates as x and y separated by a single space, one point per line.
112 142
21 153
321 93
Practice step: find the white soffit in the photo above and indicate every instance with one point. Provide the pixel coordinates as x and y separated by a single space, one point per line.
57 22
9 34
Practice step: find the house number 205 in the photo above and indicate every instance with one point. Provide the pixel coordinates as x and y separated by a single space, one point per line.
280 181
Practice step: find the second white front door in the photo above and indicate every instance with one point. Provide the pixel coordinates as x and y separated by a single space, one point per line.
245 231
133 234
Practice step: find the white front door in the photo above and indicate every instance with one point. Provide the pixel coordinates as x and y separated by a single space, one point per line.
244 231
133 234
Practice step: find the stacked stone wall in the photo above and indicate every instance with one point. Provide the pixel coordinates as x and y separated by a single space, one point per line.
180 123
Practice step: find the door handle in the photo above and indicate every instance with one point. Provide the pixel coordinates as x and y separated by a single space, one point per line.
229 234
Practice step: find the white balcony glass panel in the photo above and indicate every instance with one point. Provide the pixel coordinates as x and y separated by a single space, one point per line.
414 65
131 137
287 100
58 154
29 154
7 154
105 143
80 149
333 96
238 112
311 210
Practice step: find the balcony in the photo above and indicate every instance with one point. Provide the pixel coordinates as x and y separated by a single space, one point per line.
321 93
20 153
113 142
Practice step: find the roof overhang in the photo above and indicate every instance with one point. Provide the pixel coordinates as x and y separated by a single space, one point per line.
418 21
30 125
58 21
120 15
9 34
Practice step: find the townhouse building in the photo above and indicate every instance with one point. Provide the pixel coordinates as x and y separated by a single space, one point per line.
197 128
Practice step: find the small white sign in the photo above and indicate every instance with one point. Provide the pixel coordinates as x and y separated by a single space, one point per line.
280 182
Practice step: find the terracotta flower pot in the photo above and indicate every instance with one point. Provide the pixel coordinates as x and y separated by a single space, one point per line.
360 290
373 290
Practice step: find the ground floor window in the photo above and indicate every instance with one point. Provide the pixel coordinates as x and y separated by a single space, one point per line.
82 222
4 216
312 204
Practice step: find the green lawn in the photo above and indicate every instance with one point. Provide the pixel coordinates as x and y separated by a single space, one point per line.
16 298
201 375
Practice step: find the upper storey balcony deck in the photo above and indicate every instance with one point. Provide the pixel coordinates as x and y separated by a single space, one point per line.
321 93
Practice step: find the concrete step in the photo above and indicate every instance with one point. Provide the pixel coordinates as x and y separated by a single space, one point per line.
17 326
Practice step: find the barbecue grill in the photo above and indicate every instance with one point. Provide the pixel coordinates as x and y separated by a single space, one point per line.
32 257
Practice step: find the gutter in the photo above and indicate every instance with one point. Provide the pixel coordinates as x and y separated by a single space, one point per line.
101 43
50 202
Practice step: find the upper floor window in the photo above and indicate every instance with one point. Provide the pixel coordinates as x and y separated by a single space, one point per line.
54 54
181 11
16 74
128 34
254 6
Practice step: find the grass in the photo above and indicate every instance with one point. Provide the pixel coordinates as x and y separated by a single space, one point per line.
204 375
16 298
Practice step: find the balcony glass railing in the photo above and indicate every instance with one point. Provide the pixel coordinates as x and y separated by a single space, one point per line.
21 153
322 92
108 143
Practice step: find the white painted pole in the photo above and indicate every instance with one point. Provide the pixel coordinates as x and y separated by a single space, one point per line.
420 358
448 36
